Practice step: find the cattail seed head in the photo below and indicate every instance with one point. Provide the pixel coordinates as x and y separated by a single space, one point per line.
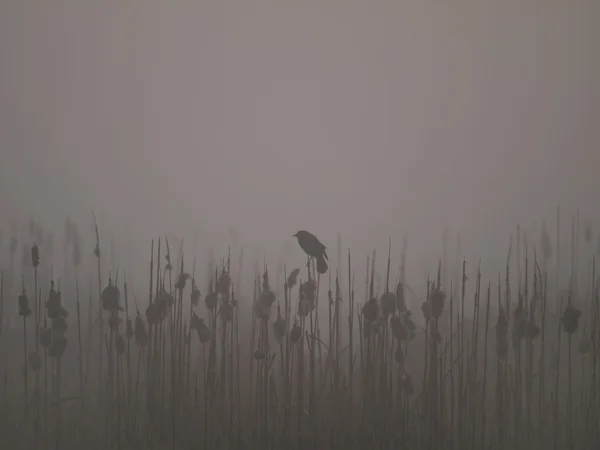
370 310
437 300
24 310
570 319
388 304
295 333
111 297
35 255
292 278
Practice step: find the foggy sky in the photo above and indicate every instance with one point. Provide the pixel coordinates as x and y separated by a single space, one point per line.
373 118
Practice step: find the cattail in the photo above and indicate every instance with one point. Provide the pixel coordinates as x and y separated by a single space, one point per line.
195 296
226 311
436 337
223 284
35 255
279 326
203 331
211 301
262 308
59 326
141 335
388 304
370 310
309 288
437 300
54 308
426 310
292 278
259 355
111 297
295 333
181 281
400 300
24 310
570 319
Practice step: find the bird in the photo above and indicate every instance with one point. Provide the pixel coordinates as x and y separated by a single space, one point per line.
313 248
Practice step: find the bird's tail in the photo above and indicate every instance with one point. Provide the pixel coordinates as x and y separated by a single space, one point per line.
321 265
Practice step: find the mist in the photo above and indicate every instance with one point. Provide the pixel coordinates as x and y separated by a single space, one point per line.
377 120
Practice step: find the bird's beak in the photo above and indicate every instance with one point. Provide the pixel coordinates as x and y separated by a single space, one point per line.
296 235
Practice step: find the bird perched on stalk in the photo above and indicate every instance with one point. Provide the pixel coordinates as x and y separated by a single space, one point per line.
313 248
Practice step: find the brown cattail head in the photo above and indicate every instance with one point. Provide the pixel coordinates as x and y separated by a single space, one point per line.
224 283
195 296
212 300
437 299
426 310
13 246
111 297
59 326
292 278
388 304
181 281
35 255
24 310
400 300
259 355
279 328
370 310
226 311
295 333
54 308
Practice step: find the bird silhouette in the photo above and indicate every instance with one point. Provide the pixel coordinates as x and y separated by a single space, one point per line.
313 248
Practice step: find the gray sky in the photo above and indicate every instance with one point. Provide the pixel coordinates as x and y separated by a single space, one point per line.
373 118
